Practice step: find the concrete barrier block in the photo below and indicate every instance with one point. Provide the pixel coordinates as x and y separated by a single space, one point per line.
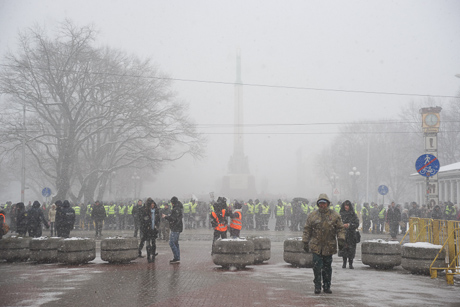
295 254
233 252
262 248
77 250
417 257
44 249
119 249
14 249
381 254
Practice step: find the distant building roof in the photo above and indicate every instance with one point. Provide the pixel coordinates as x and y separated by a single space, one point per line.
447 170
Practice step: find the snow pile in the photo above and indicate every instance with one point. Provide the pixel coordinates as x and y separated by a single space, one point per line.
423 245
236 239
295 239
75 239
382 241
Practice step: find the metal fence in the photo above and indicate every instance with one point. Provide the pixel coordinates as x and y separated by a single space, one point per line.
438 232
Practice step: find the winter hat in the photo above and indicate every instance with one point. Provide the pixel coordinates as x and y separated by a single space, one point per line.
321 198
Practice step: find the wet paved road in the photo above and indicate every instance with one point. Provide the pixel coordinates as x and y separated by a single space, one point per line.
196 281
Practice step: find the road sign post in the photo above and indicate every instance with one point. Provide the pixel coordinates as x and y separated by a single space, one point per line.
428 165
383 190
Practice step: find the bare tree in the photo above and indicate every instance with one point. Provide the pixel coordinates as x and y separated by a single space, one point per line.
91 111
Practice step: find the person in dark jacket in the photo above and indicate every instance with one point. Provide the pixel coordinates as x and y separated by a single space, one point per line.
35 218
98 216
350 223
176 226
136 215
68 219
149 223
393 219
436 214
21 219
164 224
59 218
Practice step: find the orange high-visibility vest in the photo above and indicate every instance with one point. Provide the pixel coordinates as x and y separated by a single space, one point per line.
236 222
220 225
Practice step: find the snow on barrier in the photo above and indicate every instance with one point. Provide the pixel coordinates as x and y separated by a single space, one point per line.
295 254
77 250
381 254
119 249
417 257
233 252
44 249
262 248
14 249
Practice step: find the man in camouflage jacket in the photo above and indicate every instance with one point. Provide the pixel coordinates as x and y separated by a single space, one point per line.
322 229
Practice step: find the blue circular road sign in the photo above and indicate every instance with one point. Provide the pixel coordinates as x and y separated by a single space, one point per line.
383 190
46 192
427 165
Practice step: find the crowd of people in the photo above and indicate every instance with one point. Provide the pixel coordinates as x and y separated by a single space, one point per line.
327 228
256 214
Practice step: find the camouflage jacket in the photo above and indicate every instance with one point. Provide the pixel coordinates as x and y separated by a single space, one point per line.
321 231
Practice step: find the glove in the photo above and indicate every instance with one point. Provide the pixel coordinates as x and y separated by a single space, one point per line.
341 244
305 247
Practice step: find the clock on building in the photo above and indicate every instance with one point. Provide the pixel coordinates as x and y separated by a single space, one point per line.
431 119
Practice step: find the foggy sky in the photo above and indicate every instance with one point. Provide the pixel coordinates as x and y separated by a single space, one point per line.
313 58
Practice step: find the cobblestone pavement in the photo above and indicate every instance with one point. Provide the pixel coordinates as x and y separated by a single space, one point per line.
196 281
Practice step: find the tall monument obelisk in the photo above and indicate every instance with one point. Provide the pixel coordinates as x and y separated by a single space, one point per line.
239 182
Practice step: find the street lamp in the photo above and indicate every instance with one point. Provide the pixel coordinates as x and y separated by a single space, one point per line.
354 174
135 177
334 178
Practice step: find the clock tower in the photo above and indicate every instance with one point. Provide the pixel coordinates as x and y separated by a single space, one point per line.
431 121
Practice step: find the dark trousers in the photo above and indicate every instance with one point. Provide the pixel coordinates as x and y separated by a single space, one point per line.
149 237
98 225
394 229
322 269
234 233
219 234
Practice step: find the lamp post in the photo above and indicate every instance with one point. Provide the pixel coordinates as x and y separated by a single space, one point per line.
135 177
334 178
23 166
354 174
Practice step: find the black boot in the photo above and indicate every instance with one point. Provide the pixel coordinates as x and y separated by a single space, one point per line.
344 262
148 254
351 263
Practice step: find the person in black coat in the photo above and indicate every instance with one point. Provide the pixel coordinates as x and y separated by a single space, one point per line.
98 215
436 214
393 219
176 226
68 219
35 218
59 218
149 218
21 219
350 223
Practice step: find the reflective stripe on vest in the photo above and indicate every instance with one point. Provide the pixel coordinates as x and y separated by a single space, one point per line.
382 214
250 209
77 210
279 210
193 207
305 208
220 226
236 222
